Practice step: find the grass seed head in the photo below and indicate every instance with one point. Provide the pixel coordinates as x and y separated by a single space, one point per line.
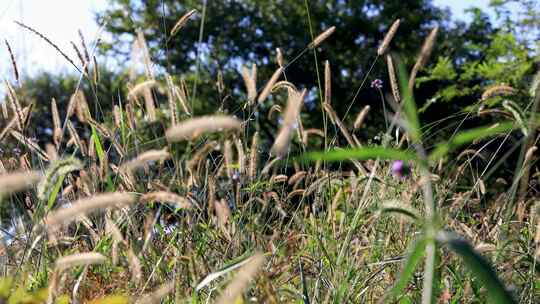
192 128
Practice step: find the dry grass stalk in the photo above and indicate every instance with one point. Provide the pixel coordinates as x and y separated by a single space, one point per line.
498 90
51 151
269 85
50 43
82 110
158 294
84 47
13 62
322 37
283 84
5 113
290 121
245 274
117 115
276 179
173 107
143 48
31 145
146 157
13 122
254 156
200 155
80 56
100 128
78 142
228 158
423 57
149 104
388 38
16 181
273 109
181 96
79 259
269 165
309 132
87 205
528 161
71 105
279 57
113 230
393 79
15 105
327 82
223 213
335 119
166 197
298 176
194 127
485 247
241 156
182 21
57 128
361 117
250 81
96 71
219 83
130 115
134 266
79 106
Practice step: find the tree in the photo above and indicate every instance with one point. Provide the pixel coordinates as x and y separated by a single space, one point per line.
232 33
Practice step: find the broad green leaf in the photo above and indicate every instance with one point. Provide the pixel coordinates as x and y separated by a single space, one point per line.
479 267
360 154
415 255
468 136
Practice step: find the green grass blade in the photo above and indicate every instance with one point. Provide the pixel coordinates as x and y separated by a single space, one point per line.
413 258
400 208
337 155
54 193
409 106
101 155
479 267
468 136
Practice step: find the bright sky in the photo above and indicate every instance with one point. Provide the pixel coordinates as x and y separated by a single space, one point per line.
60 19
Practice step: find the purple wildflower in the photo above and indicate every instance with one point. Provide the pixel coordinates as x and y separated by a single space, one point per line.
400 169
377 84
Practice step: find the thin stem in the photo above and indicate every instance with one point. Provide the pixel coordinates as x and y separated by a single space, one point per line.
325 118
199 44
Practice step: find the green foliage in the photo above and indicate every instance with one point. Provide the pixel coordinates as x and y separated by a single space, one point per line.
416 252
468 136
480 268
360 154
12 293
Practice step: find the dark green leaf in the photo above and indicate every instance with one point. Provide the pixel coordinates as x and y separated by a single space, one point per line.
479 267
